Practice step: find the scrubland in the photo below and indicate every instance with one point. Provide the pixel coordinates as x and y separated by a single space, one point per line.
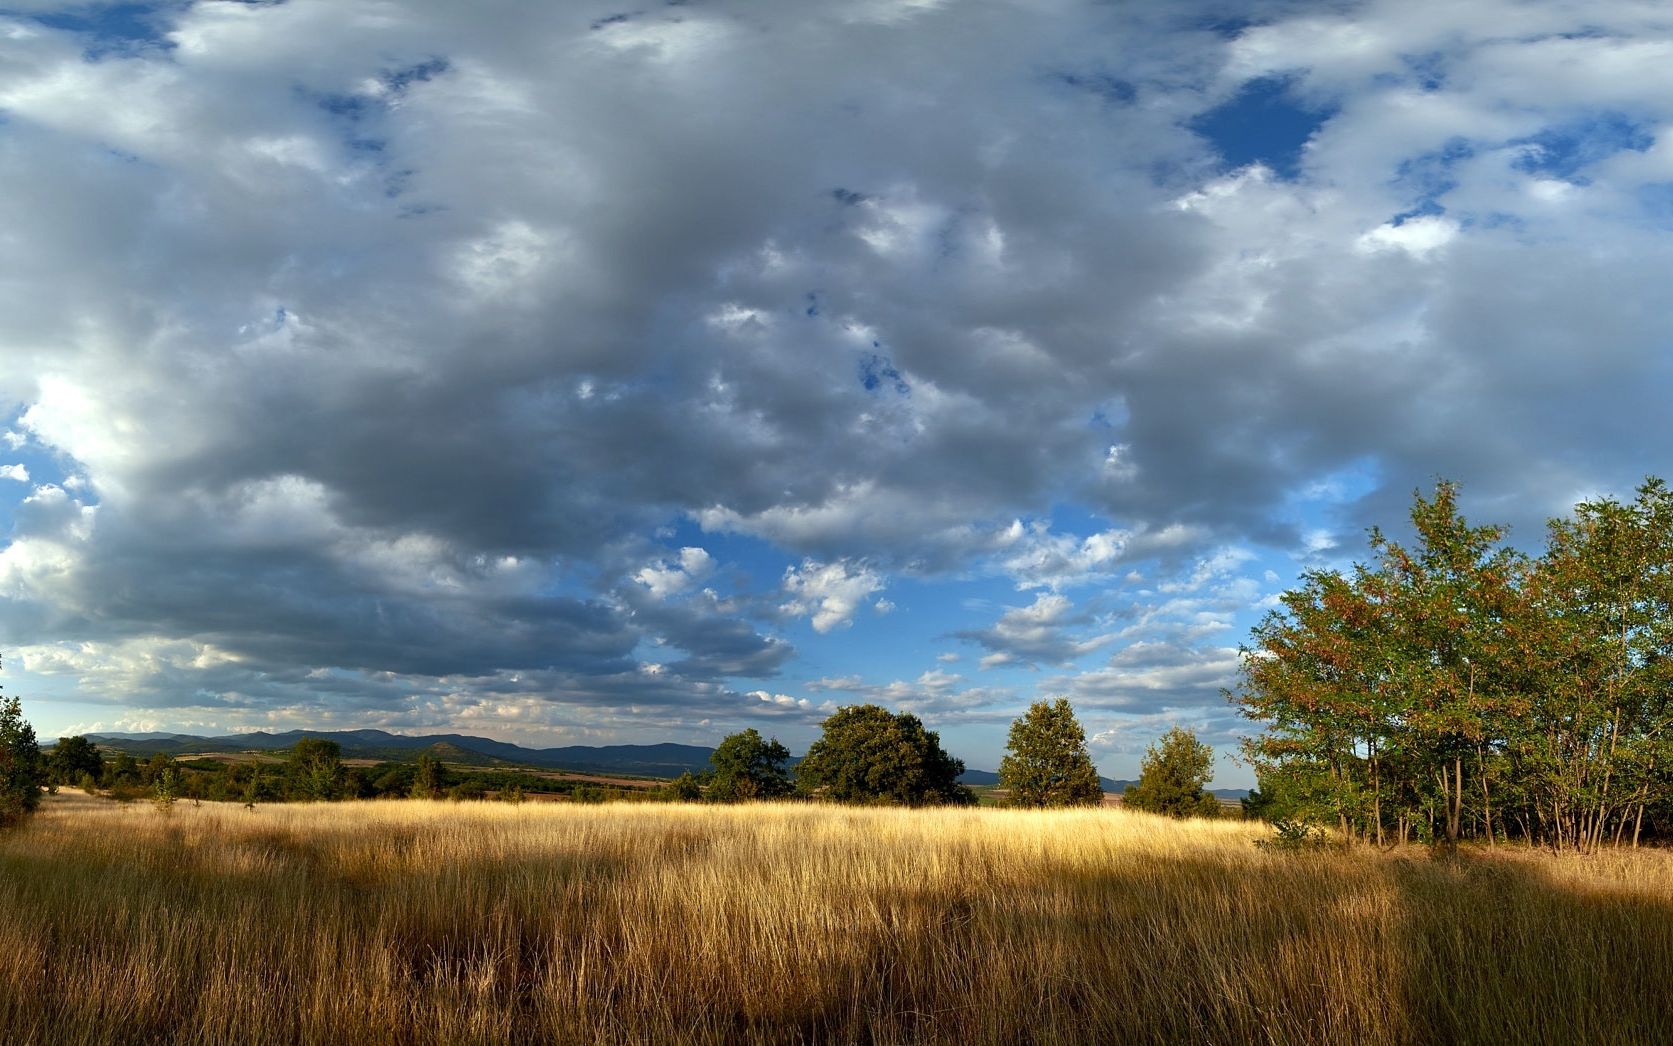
416 922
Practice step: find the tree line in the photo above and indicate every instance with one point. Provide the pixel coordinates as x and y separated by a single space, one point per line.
1457 688
865 754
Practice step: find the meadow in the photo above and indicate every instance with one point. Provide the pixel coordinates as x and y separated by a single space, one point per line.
418 921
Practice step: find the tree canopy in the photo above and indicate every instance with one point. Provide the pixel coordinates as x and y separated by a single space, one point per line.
74 757
867 754
1173 777
1460 688
747 766
316 768
22 771
1046 762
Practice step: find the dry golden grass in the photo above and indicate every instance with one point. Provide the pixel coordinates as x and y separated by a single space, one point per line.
432 922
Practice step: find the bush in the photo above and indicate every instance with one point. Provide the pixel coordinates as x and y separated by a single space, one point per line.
1293 836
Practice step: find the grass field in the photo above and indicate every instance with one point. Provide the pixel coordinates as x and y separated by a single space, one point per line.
420 922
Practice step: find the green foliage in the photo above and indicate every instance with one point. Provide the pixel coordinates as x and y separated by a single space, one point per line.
746 766
868 755
1173 776
165 789
1046 763
74 757
22 771
1293 836
121 770
427 782
685 789
315 769
1456 688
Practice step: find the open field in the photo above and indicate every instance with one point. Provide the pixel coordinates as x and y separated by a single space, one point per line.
419 921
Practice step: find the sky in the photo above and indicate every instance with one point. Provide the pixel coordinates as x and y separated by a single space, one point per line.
589 373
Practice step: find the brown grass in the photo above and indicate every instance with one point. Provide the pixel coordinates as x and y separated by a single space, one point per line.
435 922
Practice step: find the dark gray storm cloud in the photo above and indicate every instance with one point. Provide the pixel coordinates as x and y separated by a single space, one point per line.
372 344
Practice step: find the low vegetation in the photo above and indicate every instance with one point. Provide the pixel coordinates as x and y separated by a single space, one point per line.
419 922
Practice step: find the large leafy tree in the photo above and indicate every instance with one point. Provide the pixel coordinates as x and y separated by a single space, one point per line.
1599 639
1173 777
73 757
22 771
867 754
748 766
1046 762
1458 687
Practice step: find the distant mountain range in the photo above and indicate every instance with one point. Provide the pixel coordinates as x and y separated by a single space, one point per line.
660 760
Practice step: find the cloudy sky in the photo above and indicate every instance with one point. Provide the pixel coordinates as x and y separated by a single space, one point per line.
579 373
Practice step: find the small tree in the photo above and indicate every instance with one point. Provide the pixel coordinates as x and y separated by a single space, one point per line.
1047 763
165 790
316 769
252 789
22 772
427 783
868 755
1173 777
747 766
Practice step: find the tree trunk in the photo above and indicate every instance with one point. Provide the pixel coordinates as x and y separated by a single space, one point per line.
1486 806
1455 807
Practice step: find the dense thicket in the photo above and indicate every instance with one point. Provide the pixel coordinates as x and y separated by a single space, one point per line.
1458 688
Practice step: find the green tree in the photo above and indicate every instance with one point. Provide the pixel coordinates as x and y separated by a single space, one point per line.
1046 763
315 769
427 782
1594 750
165 789
685 788
1173 776
73 757
252 788
22 772
123 769
868 755
747 766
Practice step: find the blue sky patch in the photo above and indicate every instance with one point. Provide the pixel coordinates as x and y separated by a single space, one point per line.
112 28
876 371
1430 176
1565 150
1263 124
